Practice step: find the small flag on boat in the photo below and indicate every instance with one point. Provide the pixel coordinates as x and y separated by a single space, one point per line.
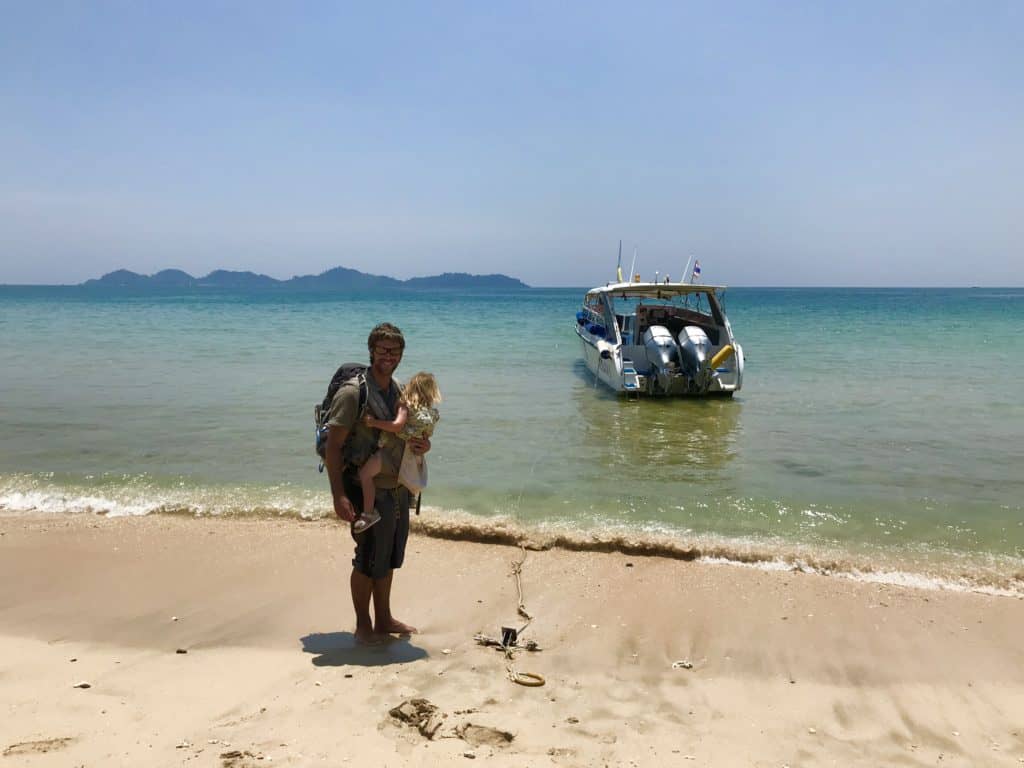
696 272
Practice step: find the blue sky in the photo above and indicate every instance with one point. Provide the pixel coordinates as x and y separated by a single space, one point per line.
780 143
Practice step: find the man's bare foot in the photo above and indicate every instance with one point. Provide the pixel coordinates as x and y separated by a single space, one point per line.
369 637
397 627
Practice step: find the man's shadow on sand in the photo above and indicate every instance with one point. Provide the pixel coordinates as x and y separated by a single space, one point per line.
339 649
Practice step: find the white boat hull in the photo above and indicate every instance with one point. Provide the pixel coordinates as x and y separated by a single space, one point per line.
621 375
627 370
663 339
608 370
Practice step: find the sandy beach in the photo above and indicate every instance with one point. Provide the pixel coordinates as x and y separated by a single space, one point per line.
213 642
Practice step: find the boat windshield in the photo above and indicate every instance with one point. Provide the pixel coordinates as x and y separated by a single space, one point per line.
696 302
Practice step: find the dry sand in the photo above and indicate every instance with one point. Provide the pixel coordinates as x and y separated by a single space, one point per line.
787 668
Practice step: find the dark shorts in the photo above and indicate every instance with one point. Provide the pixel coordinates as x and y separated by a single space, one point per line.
382 547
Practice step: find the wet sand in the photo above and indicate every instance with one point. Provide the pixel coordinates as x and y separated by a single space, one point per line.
648 661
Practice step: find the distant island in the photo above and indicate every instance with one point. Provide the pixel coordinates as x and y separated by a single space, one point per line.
337 280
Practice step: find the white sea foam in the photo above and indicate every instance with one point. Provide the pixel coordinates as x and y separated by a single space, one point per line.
43 502
129 496
920 569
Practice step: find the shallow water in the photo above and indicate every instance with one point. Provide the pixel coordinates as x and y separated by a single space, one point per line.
878 430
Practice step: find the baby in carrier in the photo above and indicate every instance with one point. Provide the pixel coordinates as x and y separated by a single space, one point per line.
416 417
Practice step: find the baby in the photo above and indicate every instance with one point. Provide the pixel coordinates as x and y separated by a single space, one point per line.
416 417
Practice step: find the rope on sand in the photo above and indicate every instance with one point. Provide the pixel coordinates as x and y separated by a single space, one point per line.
530 679
508 642
517 571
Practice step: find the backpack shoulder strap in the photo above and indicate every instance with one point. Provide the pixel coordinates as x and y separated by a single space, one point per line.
361 378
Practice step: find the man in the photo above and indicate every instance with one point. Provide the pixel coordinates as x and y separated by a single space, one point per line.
381 548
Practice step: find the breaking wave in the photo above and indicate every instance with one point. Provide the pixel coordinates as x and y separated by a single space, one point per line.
922 568
988 574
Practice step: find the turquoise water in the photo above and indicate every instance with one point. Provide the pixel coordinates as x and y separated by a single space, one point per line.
878 431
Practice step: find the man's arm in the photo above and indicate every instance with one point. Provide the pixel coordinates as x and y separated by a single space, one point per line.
394 427
332 460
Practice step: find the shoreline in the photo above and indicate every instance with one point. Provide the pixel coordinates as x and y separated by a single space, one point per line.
786 667
921 568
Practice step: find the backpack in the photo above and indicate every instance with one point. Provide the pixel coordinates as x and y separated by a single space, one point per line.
347 372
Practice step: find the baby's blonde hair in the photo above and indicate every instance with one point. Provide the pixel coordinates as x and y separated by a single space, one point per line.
421 391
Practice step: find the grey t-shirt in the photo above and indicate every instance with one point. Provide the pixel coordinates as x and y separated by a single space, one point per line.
363 441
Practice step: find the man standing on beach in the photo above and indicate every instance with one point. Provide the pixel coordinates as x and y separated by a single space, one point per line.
381 548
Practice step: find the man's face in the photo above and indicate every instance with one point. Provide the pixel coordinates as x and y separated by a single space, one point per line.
386 357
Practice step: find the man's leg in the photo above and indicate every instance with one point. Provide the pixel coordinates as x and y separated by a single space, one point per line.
362 589
386 623
360 584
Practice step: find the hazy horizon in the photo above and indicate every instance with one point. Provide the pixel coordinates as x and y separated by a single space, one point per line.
199 275
799 145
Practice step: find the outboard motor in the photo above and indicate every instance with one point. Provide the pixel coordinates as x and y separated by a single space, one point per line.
694 353
662 353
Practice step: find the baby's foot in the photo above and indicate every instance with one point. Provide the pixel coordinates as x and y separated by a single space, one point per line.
365 520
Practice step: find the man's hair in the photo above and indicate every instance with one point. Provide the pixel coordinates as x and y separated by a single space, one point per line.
384 332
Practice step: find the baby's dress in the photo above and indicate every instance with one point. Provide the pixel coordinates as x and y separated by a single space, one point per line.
412 473
420 423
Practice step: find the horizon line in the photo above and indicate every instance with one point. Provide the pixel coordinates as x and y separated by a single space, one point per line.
586 287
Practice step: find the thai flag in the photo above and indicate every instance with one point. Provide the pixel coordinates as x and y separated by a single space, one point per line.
696 272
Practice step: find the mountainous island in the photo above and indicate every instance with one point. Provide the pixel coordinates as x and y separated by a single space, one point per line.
337 280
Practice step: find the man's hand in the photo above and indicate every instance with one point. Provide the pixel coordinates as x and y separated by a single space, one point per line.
343 508
419 445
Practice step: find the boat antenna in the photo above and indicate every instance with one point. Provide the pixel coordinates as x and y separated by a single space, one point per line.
618 267
632 269
686 271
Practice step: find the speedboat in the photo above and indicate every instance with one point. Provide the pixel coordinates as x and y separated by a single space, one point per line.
660 339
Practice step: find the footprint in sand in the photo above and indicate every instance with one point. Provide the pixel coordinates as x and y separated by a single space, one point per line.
483 735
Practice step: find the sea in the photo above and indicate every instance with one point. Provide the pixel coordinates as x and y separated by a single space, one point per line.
879 434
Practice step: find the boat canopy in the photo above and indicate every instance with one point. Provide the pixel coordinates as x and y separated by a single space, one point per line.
653 290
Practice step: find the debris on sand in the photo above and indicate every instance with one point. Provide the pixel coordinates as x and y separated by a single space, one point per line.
236 757
420 714
425 717
37 747
529 645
